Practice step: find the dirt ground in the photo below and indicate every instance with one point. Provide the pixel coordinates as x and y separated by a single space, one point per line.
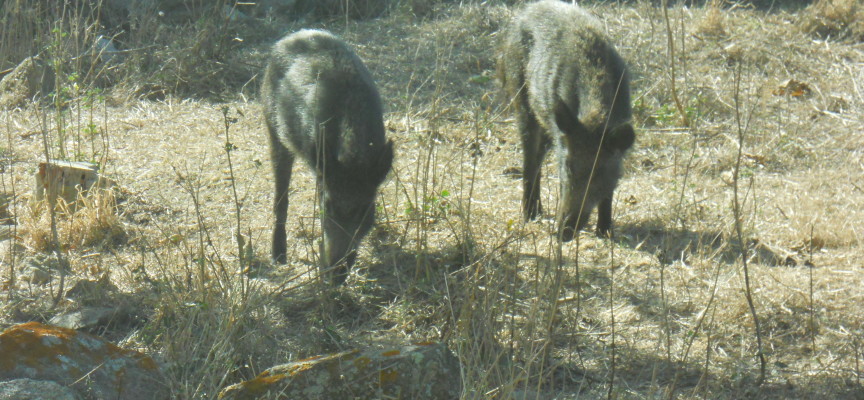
659 311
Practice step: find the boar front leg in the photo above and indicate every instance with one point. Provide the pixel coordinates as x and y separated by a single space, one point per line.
283 163
534 146
604 218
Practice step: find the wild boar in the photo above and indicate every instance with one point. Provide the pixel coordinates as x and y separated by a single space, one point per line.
569 88
321 104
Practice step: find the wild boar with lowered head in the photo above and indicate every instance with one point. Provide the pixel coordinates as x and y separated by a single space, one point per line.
571 89
321 105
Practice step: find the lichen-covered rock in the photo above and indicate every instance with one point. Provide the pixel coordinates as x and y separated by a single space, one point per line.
29 389
421 371
93 367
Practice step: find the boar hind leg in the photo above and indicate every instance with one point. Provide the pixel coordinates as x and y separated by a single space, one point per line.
283 162
604 218
534 145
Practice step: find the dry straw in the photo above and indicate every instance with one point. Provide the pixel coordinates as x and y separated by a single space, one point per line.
451 259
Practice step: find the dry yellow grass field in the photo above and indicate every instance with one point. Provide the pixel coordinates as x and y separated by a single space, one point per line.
659 311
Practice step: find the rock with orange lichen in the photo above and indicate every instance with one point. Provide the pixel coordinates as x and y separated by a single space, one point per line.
92 367
421 371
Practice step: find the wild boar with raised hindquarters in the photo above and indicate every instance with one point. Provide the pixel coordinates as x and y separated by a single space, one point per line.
321 105
569 88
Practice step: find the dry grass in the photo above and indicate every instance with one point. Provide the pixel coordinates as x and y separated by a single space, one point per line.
713 22
835 18
89 222
451 258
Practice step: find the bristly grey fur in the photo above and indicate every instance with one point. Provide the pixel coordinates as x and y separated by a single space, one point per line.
321 104
571 89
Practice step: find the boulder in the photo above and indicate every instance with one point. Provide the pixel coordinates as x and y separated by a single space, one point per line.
92 367
420 371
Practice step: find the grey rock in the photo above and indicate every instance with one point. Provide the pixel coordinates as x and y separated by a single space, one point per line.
36 275
86 319
29 389
106 51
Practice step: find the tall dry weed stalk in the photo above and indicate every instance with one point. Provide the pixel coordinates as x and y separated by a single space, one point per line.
244 245
741 129
8 195
812 322
613 349
671 56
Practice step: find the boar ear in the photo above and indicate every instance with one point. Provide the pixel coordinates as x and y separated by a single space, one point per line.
566 120
620 138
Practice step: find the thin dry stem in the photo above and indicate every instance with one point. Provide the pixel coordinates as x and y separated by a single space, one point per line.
737 213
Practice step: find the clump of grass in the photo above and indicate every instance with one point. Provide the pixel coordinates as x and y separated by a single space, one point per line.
713 23
834 18
91 221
